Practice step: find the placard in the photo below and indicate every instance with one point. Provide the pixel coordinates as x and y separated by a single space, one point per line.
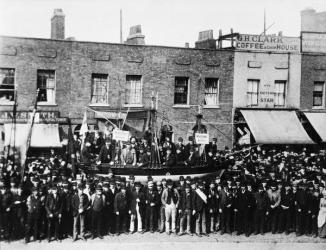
201 138
120 135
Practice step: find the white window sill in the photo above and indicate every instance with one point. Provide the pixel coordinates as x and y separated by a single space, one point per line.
133 105
7 103
46 104
318 107
99 105
181 106
211 106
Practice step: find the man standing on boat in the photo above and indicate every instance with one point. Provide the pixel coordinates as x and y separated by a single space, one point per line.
170 200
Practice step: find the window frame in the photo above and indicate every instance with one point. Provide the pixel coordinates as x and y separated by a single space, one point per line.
284 82
47 71
322 106
251 93
217 104
128 88
98 76
187 104
13 90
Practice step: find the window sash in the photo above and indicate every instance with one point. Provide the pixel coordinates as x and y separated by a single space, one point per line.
100 90
7 85
181 90
252 92
318 94
134 90
279 94
46 86
211 92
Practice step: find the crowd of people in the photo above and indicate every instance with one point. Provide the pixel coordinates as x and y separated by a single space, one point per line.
262 189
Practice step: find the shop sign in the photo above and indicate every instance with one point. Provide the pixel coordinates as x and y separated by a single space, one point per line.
120 135
25 116
268 43
201 138
266 96
313 42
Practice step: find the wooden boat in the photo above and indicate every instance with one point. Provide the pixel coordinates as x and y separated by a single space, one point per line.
156 172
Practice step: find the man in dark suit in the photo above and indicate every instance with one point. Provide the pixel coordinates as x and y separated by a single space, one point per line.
185 210
212 206
180 151
79 205
33 214
98 203
137 207
152 199
112 192
169 158
53 207
106 154
199 209
121 208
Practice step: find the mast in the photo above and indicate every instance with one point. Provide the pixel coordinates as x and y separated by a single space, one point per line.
29 135
121 40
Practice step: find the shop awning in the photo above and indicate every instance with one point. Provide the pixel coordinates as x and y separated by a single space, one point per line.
43 135
276 127
318 122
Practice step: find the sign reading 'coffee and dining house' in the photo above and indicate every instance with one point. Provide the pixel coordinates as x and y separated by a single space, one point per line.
268 43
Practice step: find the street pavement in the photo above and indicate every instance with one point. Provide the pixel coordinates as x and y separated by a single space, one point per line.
157 241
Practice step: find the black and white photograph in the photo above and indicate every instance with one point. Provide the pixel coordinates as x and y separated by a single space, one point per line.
162 124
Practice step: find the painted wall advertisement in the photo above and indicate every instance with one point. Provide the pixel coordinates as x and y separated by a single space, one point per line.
266 95
268 43
313 42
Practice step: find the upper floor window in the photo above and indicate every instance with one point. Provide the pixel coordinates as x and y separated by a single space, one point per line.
133 94
211 92
46 86
318 94
7 85
279 93
252 92
100 89
181 91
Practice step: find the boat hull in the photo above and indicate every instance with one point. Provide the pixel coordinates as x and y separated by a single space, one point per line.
157 174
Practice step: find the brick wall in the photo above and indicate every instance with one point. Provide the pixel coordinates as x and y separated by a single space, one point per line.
313 69
74 63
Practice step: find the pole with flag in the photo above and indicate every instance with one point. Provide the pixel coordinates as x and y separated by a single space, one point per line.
83 130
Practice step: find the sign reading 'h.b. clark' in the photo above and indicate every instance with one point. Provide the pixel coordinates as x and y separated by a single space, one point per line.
268 43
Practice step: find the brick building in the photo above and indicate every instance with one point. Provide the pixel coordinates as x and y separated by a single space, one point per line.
74 75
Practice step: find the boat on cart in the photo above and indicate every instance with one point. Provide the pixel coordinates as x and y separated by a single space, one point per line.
156 172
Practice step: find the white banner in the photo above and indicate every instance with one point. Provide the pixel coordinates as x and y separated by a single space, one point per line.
201 138
121 135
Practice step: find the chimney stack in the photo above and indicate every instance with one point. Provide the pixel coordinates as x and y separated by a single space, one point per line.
135 36
205 40
58 25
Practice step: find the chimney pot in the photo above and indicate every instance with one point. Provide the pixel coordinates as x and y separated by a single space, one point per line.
186 45
135 36
58 24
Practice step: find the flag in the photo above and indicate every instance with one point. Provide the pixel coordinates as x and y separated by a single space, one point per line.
83 129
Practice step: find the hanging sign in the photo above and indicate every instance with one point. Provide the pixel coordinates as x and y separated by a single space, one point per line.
201 138
120 135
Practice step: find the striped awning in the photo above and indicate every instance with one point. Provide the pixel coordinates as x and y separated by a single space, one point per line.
276 127
318 122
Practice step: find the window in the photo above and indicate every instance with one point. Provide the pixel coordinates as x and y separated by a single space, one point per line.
211 92
318 94
7 85
100 89
252 92
133 90
279 93
46 86
181 91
